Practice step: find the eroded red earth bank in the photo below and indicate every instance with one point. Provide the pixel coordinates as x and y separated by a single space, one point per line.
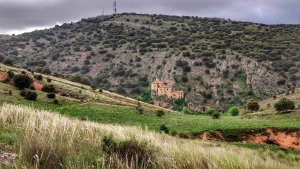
285 139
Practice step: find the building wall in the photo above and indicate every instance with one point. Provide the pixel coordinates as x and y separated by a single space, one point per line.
165 88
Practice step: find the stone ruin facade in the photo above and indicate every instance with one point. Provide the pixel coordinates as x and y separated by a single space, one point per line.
166 88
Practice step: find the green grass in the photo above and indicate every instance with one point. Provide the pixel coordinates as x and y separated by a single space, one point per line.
129 116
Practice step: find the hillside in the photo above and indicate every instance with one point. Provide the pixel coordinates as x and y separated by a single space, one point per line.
216 62
48 141
85 103
112 131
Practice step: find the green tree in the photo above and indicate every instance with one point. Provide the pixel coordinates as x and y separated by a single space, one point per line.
252 105
284 105
233 111
216 115
22 81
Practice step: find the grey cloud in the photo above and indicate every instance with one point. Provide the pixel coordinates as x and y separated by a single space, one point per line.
21 14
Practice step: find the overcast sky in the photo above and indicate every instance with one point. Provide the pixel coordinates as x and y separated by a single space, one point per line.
17 16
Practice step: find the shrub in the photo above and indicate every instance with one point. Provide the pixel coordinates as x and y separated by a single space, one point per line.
10 74
22 81
48 89
216 115
164 128
129 152
252 105
22 93
49 80
210 111
30 95
38 77
55 101
185 110
284 105
139 108
160 113
51 95
233 111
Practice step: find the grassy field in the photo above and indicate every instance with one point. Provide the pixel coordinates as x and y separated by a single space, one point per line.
128 115
50 140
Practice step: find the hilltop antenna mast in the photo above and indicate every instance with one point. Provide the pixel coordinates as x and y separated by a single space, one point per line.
115 8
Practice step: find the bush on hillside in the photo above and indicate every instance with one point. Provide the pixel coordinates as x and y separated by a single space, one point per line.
160 113
49 80
22 93
51 95
139 108
233 111
210 111
55 101
22 81
7 62
10 74
252 105
164 128
48 89
38 77
216 115
30 95
284 105
186 110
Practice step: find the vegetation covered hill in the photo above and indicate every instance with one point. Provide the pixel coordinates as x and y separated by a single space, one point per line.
216 62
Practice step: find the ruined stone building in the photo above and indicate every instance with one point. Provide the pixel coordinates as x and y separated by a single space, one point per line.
166 88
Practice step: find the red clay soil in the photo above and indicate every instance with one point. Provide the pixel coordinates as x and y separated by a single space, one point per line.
2 76
282 138
287 140
37 86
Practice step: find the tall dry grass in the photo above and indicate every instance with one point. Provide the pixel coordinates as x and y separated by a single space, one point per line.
50 140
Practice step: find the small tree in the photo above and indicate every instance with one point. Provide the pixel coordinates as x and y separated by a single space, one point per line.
164 128
216 115
49 80
55 101
22 81
10 74
233 111
160 113
30 95
210 111
48 89
38 77
139 108
51 95
252 105
284 105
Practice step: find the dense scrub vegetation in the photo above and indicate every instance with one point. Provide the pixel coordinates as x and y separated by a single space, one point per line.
117 53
